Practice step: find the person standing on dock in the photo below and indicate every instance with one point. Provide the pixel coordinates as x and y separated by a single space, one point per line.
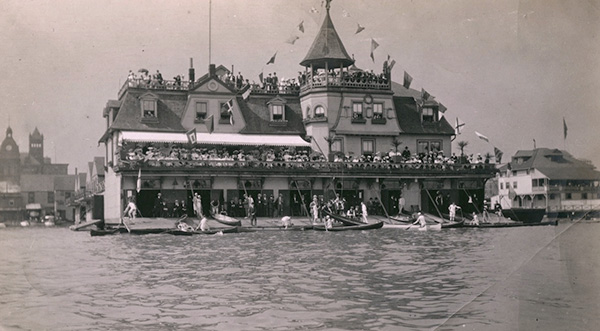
452 211
314 209
401 204
158 203
363 208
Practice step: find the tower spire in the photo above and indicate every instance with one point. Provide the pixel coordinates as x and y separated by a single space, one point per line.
328 4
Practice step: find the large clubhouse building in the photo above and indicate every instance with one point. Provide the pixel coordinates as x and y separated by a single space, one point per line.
334 130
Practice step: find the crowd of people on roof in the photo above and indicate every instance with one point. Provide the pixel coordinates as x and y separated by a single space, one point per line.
146 79
271 83
181 155
354 76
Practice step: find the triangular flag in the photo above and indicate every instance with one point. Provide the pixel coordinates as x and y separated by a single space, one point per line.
291 40
482 137
359 28
260 76
246 93
374 45
272 60
138 185
498 154
301 26
459 125
424 94
210 124
191 136
564 129
407 80
391 66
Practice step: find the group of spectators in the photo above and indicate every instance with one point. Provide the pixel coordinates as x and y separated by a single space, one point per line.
146 79
337 76
180 155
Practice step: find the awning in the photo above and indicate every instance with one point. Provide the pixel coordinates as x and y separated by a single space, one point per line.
33 206
216 138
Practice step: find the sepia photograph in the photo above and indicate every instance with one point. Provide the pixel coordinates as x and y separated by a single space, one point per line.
299 165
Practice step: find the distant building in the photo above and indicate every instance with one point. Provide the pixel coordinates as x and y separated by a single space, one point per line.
548 178
31 185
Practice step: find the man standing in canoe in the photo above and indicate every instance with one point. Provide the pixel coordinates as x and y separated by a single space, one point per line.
452 211
401 204
363 208
314 209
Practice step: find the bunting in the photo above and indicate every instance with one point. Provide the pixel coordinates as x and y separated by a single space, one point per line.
441 108
359 28
272 60
407 80
498 154
246 93
301 26
482 137
138 186
209 122
191 136
459 125
424 95
564 129
291 40
374 46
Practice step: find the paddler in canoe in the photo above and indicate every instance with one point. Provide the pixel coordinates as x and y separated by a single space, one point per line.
420 220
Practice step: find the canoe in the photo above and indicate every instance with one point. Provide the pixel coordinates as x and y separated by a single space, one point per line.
362 226
276 228
437 226
227 220
347 221
450 225
219 230
525 215
106 232
509 224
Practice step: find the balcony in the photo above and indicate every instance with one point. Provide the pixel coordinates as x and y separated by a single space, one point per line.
364 82
165 85
322 169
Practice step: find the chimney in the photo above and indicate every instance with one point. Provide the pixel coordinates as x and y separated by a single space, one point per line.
192 73
212 70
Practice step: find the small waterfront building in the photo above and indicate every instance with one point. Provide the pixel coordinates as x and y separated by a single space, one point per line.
336 130
551 179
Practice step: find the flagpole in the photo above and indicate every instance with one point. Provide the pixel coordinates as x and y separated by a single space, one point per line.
209 32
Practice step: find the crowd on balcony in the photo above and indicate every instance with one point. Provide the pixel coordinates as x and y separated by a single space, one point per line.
336 76
173 155
269 84
148 80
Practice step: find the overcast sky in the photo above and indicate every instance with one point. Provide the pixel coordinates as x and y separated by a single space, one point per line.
510 70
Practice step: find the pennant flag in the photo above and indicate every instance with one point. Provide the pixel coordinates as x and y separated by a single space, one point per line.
301 26
498 154
407 80
260 76
564 129
459 125
291 40
441 108
272 60
246 93
359 28
482 137
138 185
191 136
209 122
392 64
374 46
424 94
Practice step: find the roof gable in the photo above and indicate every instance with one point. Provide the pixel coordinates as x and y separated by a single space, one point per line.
327 48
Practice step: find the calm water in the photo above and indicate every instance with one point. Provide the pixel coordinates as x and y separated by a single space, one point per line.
388 279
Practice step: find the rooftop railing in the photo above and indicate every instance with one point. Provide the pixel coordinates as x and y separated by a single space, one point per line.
168 85
373 83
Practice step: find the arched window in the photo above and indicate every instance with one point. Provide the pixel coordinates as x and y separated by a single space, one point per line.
319 112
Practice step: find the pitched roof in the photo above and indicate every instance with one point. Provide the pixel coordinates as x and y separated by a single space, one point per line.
555 164
327 48
258 117
99 164
170 107
409 119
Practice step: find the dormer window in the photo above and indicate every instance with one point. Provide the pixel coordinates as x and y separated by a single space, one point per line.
149 105
429 115
277 109
277 113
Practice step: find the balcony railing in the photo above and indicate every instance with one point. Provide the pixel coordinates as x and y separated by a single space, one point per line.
357 168
168 85
346 82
